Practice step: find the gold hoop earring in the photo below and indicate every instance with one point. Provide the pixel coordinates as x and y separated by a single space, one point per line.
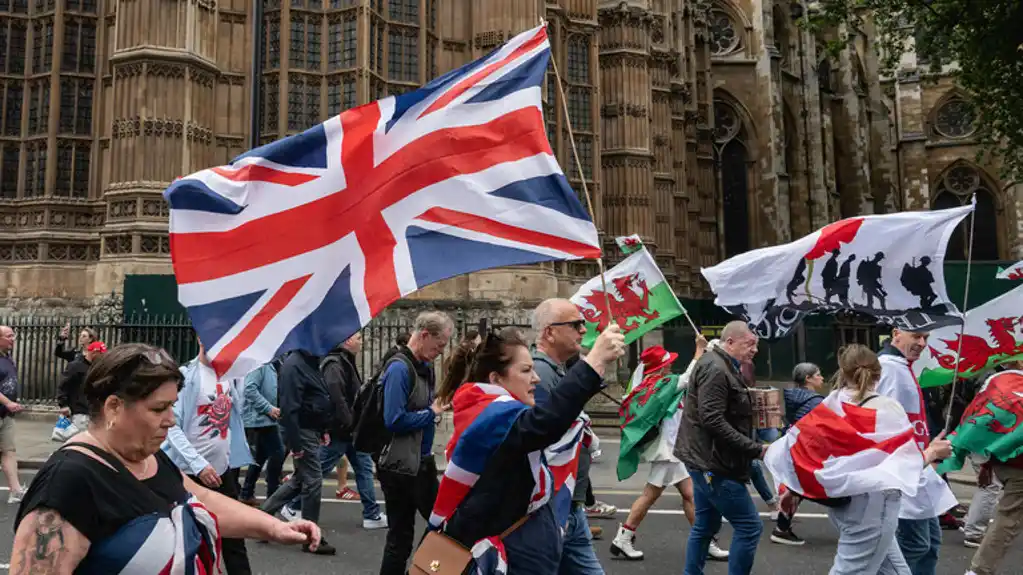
110 424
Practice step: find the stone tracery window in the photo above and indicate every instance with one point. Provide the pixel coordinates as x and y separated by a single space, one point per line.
726 122
956 118
733 174
956 188
724 38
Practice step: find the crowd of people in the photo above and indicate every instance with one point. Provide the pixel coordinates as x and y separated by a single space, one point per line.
168 458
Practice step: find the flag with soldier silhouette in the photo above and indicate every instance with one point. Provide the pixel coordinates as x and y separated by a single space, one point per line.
888 266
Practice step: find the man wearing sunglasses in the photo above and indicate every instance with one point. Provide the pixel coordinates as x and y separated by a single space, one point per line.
559 329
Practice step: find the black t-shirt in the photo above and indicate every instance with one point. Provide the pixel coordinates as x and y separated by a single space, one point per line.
96 499
8 381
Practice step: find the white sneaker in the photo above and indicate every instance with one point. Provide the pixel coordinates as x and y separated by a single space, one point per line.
623 545
774 515
16 496
378 523
289 515
716 553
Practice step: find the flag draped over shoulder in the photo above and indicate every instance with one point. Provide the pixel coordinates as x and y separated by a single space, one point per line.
840 449
298 244
642 410
888 266
638 294
483 416
991 425
993 335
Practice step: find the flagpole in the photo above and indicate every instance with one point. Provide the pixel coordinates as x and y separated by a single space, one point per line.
579 168
962 330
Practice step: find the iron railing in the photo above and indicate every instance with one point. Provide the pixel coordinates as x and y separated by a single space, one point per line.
39 369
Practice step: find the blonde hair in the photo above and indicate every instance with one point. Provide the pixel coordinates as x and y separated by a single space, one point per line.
858 370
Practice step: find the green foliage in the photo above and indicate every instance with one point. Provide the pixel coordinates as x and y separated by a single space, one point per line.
984 37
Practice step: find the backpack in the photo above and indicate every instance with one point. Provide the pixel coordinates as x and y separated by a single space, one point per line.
369 431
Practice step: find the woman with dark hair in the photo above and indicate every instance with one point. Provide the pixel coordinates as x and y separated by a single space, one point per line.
85 337
799 400
111 502
457 366
500 437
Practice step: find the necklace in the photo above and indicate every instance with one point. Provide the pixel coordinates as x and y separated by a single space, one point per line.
106 447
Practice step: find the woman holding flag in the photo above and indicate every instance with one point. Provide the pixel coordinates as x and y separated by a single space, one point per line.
506 492
856 454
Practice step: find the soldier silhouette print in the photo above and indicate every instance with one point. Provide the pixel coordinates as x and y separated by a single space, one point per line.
797 280
917 280
868 275
840 284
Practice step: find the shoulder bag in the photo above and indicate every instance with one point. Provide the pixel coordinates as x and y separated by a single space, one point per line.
439 554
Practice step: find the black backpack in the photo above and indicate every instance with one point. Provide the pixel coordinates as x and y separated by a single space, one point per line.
369 431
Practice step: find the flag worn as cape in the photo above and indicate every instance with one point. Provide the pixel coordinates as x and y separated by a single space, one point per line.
642 410
483 416
888 266
638 294
840 449
993 335
990 426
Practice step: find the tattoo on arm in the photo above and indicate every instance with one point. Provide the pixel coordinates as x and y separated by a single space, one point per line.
44 551
49 536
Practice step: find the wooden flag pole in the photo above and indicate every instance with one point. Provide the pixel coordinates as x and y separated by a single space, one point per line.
962 330
582 177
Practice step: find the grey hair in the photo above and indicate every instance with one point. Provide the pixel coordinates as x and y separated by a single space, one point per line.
734 330
543 314
804 371
433 322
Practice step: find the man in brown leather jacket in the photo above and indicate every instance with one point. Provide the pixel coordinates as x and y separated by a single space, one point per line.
718 447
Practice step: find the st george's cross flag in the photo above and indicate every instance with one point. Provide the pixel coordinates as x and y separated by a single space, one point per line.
840 449
888 266
1013 272
639 297
993 335
483 416
299 243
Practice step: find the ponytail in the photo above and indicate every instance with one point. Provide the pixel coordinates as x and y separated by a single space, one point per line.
456 370
858 370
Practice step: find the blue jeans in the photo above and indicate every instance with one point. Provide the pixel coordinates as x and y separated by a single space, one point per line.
577 555
760 483
270 452
714 497
361 463
866 535
920 540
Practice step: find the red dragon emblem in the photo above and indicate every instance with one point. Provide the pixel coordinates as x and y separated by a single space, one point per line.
216 415
1016 274
1004 392
629 308
975 351
640 396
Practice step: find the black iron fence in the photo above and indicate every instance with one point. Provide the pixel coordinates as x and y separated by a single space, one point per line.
39 369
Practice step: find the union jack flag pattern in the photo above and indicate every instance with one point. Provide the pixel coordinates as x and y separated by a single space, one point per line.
483 416
299 243
185 542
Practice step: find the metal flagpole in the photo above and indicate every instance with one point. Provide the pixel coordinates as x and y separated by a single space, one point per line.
962 330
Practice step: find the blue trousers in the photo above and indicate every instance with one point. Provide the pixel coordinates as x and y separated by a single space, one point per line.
716 497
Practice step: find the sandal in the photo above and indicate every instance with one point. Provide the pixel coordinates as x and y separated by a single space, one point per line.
347 494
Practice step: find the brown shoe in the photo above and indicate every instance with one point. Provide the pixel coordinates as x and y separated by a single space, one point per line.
596 531
251 502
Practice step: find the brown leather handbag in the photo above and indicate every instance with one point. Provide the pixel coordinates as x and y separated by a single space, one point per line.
439 554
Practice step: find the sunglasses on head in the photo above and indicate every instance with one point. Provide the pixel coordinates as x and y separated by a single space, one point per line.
574 324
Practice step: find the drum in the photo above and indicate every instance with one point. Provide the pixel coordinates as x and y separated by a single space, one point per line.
767 407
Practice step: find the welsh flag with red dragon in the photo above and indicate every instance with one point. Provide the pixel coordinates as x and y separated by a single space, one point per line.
643 410
990 426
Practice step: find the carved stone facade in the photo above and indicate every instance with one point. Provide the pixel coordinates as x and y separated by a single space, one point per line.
709 127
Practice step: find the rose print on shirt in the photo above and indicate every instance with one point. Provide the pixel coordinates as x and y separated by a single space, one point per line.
216 415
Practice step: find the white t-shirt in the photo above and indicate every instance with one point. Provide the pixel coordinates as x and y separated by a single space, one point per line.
210 427
897 382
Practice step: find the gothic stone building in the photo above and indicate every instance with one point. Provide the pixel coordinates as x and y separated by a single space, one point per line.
709 127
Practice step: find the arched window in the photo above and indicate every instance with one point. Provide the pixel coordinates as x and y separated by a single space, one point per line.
724 35
955 189
733 173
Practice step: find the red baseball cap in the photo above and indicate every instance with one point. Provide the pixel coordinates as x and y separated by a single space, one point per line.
97 346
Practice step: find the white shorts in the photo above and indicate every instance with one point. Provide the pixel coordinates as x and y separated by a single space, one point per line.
667 473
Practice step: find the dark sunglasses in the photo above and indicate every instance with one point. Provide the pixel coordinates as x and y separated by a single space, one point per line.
575 324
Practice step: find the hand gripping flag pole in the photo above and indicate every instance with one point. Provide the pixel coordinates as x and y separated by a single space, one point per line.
962 330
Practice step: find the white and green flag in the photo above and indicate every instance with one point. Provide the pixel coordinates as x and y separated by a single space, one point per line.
629 244
993 335
1013 272
639 298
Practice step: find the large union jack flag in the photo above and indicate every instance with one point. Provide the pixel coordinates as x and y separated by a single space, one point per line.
299 243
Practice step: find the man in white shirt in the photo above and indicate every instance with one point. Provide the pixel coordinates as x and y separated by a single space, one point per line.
919 533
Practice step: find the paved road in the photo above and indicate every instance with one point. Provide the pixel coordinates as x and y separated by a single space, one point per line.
662 536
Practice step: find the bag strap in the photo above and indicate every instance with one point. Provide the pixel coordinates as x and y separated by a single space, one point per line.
516 525
866 399
102 454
